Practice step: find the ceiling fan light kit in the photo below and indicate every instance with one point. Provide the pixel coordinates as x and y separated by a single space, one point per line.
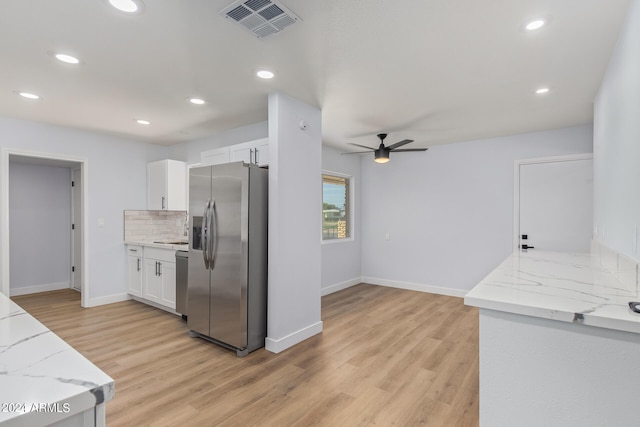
381 154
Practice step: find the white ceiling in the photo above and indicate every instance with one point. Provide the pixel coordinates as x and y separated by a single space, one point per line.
435 71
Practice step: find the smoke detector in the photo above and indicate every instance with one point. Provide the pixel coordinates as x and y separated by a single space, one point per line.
261 17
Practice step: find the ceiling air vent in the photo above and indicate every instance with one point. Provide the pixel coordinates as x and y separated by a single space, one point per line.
261 17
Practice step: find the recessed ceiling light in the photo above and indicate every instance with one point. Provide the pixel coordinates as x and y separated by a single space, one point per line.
127 6
67 58
197 101
28 95
542 90
265 74
143 122
535 24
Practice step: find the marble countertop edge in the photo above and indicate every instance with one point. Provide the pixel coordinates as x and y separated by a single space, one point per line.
557 315
39 369
566 287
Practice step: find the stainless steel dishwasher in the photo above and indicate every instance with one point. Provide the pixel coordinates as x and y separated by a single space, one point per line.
182 271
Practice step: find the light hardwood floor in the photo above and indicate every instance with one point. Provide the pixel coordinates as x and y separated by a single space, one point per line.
386 357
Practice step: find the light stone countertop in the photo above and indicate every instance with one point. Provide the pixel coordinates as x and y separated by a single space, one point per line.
567 287
158 245
38 368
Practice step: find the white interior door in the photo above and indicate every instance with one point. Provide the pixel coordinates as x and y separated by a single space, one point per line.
76 230
556 204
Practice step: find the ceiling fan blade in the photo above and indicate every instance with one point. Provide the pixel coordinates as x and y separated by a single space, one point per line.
362 146
357 152
410 149
399 144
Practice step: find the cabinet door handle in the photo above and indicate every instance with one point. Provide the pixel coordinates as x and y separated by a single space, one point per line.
163 202
159 269
138 264
250 155
256 156
156 268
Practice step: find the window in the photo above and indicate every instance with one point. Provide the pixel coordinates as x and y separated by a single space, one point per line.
336 207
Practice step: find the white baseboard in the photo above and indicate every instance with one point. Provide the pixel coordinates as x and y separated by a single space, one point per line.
154 304
339 286
281 344
39 288
415 287
109 299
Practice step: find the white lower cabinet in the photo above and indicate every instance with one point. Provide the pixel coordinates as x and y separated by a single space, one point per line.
134 264
157 276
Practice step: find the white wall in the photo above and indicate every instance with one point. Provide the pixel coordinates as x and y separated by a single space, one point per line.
448 211
117 181
295 215
617 144
40 224
341 260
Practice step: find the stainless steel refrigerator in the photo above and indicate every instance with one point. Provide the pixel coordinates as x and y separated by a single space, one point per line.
227 281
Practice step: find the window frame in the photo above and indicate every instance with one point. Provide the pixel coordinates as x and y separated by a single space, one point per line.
351 206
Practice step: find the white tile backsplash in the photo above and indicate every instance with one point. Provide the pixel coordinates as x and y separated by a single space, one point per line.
609 259
150 226
625 269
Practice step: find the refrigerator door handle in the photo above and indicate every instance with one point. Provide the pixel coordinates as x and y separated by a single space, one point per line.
213 244
205 234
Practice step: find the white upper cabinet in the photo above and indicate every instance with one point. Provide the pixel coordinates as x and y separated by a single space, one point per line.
167 185
256 152
241 152
215 157
261 150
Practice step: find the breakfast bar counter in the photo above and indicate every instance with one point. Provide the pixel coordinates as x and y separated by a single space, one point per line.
568 287
43 380
559 345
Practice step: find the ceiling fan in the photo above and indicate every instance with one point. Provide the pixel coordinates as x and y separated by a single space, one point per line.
382 153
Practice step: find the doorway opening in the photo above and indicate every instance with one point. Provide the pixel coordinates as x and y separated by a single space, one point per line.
44 233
